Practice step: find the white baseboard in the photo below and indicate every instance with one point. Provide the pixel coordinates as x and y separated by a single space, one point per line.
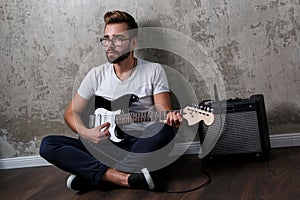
285 140
277 141
22 162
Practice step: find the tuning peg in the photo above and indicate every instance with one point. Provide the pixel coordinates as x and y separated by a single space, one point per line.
208 109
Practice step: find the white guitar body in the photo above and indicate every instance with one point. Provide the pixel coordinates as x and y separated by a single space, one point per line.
102 115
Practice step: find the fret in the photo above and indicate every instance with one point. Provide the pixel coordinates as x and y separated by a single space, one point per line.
136 119
157 116
146 117
129 118
140 117
162 116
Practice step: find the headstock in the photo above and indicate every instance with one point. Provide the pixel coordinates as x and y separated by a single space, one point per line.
197 114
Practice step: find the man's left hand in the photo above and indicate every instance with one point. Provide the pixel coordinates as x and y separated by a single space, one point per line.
174 119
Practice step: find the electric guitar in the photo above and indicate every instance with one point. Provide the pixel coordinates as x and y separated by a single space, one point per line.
105 112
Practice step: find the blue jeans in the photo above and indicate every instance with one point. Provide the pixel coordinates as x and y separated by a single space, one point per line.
71 155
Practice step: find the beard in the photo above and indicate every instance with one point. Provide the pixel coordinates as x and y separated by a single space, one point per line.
120 56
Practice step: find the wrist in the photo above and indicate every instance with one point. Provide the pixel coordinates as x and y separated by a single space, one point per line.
82 131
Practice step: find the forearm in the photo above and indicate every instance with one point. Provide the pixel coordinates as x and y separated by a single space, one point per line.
163 102
75 123
73 120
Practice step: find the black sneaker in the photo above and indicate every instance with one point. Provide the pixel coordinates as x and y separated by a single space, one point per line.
80 184
142 180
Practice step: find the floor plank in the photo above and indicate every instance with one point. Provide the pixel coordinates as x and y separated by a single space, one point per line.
277 178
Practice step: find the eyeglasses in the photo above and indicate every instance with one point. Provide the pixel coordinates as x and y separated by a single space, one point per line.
117 41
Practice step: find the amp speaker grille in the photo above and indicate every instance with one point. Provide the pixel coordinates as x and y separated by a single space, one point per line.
240 134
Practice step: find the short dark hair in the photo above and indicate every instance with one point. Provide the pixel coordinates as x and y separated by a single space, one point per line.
114 17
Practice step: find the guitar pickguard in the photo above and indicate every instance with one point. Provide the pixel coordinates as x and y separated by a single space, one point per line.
102 115
106 111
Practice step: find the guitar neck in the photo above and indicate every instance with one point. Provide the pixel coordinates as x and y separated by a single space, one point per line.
104 113
157 116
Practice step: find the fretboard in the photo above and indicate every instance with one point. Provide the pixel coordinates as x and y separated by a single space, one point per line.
141 117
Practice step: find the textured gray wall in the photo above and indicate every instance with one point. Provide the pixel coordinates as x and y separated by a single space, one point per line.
43 45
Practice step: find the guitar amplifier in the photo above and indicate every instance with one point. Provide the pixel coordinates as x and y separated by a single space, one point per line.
241 126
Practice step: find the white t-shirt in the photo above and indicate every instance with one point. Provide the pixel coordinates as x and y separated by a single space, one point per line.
146 80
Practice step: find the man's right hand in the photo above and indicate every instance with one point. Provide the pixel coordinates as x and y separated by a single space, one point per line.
96 134
72 118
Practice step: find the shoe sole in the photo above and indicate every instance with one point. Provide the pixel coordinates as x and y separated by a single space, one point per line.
148 178
69 181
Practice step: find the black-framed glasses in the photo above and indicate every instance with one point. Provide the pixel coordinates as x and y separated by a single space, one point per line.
117 41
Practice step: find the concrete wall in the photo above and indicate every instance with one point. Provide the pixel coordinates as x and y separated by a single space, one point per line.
45 44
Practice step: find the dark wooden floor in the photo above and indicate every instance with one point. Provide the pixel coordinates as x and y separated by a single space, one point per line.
278 178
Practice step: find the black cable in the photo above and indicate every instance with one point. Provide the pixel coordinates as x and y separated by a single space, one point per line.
191 189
